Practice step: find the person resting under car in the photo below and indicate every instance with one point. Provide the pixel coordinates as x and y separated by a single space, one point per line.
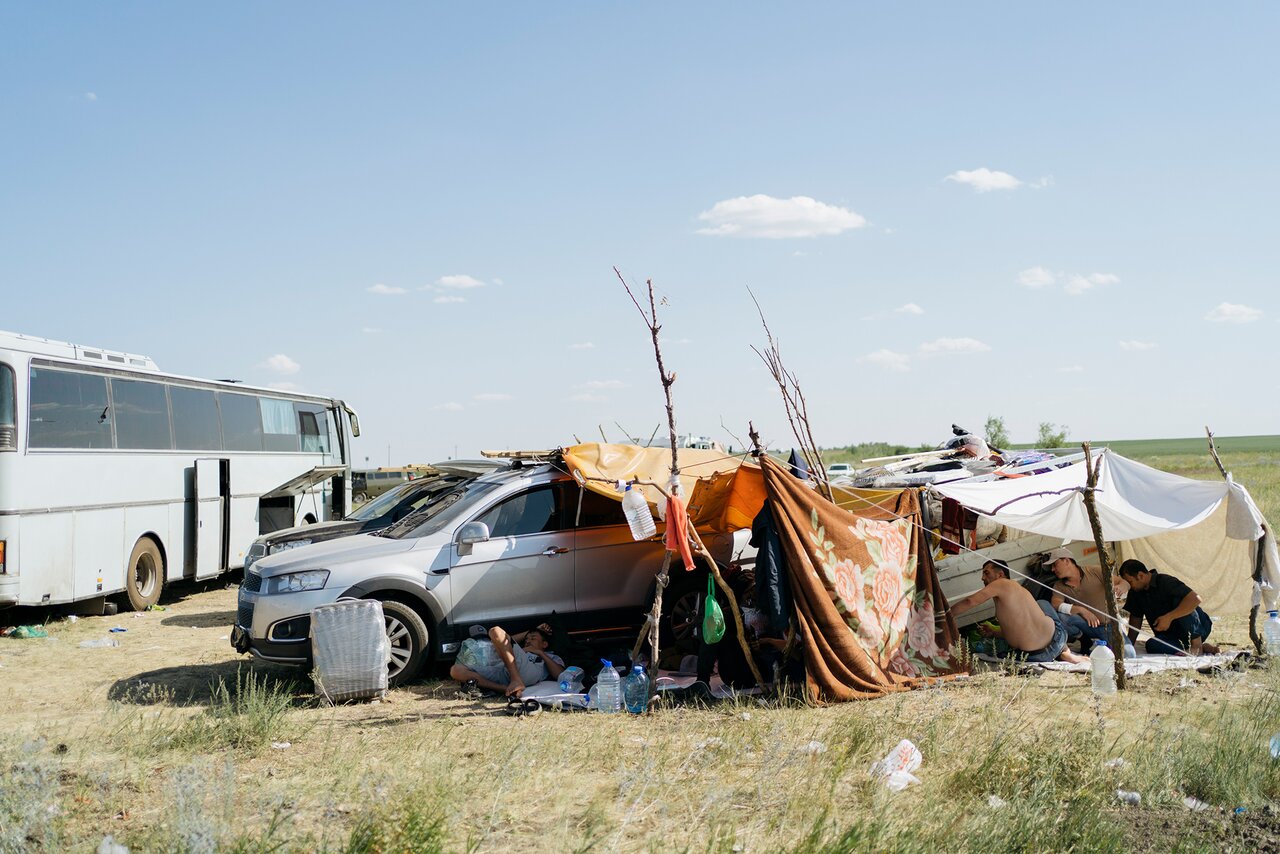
1031 628
526 660
1170 606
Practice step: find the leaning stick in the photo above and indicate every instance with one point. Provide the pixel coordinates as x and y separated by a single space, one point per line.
1091 484
1253 609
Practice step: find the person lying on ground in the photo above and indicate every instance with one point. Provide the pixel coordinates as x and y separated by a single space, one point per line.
1170 606
1084 613
1031 627
526 660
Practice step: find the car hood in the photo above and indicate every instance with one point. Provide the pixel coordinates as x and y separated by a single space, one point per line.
315 533
326 554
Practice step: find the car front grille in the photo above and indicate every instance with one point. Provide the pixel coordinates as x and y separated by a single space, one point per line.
244 616
252 582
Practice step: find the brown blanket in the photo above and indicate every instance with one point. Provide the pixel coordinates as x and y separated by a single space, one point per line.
872 617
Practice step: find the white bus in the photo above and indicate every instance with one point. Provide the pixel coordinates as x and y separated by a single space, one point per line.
116 478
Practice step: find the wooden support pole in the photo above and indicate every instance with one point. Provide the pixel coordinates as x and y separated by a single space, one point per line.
655 617
1254 634
1117 640
734 610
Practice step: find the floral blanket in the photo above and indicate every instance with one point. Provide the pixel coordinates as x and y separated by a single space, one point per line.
871 614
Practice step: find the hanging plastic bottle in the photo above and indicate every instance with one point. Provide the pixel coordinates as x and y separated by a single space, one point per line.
609 688
1102 663
1271 633
635 691
638 516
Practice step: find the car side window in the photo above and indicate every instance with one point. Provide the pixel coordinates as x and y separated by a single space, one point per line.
536 511
599 510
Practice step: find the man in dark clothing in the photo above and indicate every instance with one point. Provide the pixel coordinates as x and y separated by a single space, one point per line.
1170 606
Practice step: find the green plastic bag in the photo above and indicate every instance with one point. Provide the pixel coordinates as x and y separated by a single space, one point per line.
713 617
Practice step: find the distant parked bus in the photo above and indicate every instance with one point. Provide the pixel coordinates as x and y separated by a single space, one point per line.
116 478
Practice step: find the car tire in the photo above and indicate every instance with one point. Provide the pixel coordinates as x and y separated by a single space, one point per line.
143 577
680 612
410 642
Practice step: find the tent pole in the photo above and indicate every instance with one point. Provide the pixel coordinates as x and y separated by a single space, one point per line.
1117 641
655 615
1253 610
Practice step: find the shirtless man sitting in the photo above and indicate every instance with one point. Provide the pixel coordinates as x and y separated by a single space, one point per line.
1030 627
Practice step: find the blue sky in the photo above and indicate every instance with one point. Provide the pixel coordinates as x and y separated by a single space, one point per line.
1043 212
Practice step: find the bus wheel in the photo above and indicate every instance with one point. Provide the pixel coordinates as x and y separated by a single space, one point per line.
144 577
409 639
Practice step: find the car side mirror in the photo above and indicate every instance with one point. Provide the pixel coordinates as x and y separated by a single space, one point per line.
470 534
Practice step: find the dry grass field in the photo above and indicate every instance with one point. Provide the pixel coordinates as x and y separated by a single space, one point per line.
171 742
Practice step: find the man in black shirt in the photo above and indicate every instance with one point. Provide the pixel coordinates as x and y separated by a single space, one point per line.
1171 607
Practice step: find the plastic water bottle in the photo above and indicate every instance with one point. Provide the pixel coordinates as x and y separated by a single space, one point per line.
609 688
638 515
1102 663
635 690
1271 633
571 680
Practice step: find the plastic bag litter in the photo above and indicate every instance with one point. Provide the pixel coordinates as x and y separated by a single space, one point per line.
100 643
996 802
1195 804
25 632
895 769
108 845
1133 799
1117 763
813 748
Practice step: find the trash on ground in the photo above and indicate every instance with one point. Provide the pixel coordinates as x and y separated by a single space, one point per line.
156 608
895 769
996 802
1195 804
108 845
281 745
23 632
1275 746
1118 762
1130 798
813 748
72 618
117 629
99 643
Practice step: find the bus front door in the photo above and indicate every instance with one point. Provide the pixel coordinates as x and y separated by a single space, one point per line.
211 508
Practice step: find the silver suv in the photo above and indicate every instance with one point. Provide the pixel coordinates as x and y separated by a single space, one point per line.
511 547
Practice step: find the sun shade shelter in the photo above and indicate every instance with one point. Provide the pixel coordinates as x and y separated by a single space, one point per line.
871 615
1210 534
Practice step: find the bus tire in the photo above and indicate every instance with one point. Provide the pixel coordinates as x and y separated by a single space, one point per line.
410 642
144 576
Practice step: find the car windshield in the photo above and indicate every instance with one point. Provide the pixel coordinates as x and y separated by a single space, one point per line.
439 512
384 503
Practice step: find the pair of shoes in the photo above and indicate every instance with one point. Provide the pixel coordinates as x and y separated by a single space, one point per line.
471 690
520 706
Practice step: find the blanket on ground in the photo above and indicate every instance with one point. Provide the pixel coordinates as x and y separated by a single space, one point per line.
1143 664
872 616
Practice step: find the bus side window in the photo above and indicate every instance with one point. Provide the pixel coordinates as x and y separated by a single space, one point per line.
313 425
280 429
8 421
241 422
68 410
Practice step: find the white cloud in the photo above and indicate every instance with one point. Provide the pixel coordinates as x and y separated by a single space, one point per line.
587 397
1036 277
451 406
281 364
1071 369
602 384
1135 346
768 217
385 290
460 282
371 330
585 345
91 96
985 180
492 396
1076 284
283 386
1073 284
445 299
953 345
1227 312
909 308
888 360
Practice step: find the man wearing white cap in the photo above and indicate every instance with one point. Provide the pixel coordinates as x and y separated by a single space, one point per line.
1081 599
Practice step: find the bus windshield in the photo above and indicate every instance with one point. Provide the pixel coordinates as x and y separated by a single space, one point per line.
439 512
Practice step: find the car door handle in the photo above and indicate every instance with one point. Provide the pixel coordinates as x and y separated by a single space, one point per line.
552 550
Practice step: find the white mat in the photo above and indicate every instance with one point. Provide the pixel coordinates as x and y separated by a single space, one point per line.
1141 665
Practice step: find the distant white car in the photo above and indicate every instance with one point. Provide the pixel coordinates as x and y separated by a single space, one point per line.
839 470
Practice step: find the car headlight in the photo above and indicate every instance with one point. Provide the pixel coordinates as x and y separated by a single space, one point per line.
289 544
296 582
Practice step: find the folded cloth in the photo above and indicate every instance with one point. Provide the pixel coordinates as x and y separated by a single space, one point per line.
677 535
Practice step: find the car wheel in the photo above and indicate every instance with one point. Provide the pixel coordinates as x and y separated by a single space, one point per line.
144 577
680 607
410 639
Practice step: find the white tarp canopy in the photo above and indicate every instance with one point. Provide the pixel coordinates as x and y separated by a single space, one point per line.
1139 507
1133 501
